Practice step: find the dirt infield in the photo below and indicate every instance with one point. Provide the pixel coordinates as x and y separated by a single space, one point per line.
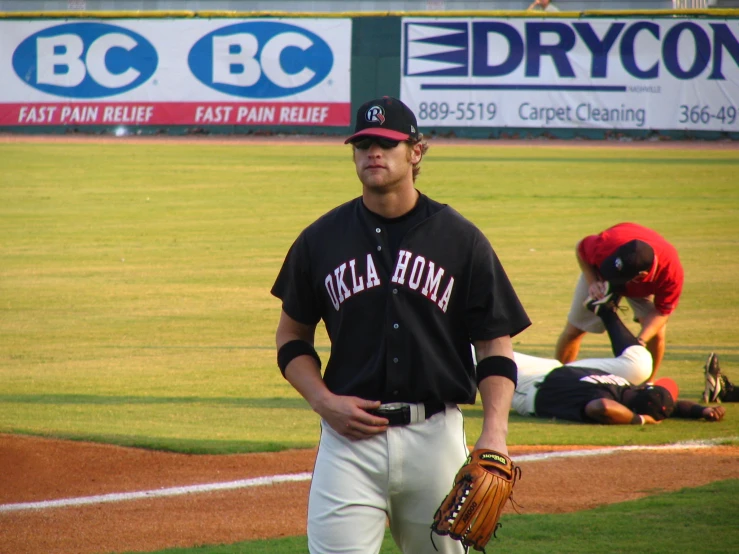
34 470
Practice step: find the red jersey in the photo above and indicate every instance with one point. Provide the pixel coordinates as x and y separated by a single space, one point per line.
665 279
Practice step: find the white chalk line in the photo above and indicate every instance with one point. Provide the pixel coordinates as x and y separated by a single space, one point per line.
158 493
613 450
294 477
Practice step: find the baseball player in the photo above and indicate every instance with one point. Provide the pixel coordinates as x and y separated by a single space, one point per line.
626 260
585 394
602 390
403 285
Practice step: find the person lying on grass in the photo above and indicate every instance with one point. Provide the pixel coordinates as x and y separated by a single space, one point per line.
603 390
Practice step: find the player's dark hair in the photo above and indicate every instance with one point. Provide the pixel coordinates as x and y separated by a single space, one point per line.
653 401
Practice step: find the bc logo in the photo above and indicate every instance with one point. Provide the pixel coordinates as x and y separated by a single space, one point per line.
375 115
261 59
85 60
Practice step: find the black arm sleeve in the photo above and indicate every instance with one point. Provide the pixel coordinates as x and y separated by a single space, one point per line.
688 410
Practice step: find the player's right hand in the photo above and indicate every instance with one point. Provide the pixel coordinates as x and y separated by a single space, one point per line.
347 415
597 289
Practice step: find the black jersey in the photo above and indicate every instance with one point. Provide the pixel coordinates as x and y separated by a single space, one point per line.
566 390
400 325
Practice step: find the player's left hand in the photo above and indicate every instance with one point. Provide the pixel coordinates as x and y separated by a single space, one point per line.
714 413
471 511
485 443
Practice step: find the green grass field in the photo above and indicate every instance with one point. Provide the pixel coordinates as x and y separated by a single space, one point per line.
134 283
690 520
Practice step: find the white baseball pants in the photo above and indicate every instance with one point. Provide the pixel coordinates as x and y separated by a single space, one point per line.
400 476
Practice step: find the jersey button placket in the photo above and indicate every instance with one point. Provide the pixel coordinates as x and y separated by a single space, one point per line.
395 337
395 346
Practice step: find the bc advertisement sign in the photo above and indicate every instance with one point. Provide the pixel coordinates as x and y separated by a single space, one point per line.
599 73
176 72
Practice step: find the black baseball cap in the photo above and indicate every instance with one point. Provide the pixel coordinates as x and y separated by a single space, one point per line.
385 117
627 262
654 400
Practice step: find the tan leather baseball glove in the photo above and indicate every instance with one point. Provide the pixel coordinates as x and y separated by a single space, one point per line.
471 511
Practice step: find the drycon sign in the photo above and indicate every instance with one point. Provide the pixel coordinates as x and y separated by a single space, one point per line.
170 72
561 73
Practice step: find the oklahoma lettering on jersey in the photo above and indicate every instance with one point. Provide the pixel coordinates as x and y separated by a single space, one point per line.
400 300
342 284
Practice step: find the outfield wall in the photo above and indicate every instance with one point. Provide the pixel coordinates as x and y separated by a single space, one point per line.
470 74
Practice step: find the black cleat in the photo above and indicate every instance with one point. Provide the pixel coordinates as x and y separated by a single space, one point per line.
729 393
714 382
608 302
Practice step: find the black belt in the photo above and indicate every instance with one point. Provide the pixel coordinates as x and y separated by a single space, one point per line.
401 414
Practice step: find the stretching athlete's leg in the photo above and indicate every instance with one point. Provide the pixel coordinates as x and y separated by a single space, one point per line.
632 361
620 335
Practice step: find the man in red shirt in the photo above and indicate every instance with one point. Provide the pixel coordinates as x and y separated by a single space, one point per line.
626 260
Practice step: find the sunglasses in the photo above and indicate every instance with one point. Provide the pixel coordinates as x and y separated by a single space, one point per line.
385 144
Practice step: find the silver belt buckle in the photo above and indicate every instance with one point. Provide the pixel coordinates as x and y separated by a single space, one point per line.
416 412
